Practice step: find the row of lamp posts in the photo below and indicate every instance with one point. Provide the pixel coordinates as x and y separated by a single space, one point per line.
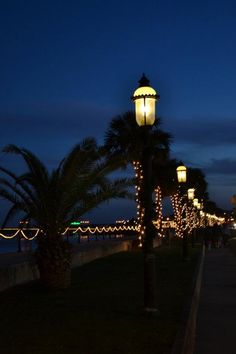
187 202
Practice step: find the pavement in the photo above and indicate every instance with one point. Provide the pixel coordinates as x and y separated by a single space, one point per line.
216 322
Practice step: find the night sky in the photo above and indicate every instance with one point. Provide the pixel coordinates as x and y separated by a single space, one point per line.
68 67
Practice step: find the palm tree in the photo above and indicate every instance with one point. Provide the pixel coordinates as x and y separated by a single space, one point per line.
127 140
124 139
53 199
163 184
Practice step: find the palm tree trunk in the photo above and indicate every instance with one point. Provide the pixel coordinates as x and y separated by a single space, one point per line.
53 257
159 214
138 198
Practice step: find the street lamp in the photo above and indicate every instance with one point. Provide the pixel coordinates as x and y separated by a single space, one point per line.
191 193
181 174
199 206
182 178
195 202
145 98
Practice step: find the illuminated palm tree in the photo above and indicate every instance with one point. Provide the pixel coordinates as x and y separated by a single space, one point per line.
53 199
123 139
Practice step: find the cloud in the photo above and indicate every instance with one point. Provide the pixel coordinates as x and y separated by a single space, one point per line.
55 118
207 131
51 129
224 166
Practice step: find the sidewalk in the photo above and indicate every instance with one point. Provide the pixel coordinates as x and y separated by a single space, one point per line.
215 333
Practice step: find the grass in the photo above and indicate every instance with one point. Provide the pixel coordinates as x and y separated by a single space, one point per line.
101 312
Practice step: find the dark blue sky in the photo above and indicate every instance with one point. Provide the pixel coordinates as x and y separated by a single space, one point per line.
67 67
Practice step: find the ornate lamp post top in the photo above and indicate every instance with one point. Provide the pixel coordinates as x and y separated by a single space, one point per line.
191 193
145 98
181 174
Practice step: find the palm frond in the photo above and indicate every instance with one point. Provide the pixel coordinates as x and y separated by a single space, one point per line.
38 171
79 158
8 196
78 184
17 191
113 190
16 207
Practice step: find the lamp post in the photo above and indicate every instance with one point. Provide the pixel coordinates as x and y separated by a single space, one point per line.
181 174
195 202
182 178
145 98
191 192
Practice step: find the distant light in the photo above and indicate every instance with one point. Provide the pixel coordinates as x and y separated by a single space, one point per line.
75 223
120 221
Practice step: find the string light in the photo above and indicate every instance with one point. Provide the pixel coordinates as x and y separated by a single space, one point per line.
92 230
100 230
179 208
19 232
138 197
192 219
158 208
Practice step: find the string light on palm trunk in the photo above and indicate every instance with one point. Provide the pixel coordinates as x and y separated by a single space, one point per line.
138 198
159 213
181 224
190 218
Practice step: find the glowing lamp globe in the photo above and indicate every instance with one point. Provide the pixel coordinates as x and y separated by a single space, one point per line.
181 174
195 202
199 206
191 193
145 98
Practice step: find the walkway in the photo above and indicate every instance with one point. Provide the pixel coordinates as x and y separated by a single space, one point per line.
217 309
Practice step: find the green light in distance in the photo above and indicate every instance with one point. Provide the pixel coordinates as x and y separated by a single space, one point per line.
75 223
